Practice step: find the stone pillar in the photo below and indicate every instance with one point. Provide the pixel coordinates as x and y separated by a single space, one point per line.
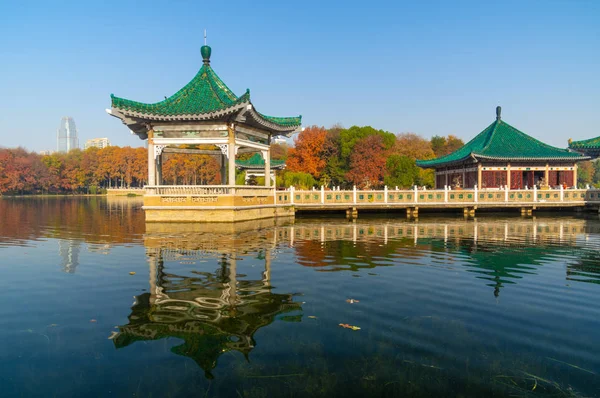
385 194
479 174
575 175
151 161
159 164
267 156
547 175
231 155
508 176
223 170
447 183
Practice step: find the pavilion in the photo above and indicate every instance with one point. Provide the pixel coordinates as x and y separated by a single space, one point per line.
255 166
204 117
502 156
589 147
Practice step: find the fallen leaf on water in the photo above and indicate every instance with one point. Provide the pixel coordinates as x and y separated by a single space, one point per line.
346 326
132 273
352 301
312 317
93 321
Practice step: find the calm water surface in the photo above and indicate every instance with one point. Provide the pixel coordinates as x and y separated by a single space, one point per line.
446 307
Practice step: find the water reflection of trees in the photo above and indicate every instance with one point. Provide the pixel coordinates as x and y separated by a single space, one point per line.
498 251
98 221
214 308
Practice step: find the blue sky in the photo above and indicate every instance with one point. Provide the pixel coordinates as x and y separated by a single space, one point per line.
428 67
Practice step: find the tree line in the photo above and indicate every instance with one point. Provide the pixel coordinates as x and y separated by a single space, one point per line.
336 157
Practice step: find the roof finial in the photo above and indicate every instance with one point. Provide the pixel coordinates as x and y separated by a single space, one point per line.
498 113
205 51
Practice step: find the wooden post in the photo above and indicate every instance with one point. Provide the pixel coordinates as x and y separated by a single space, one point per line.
547 175
479 174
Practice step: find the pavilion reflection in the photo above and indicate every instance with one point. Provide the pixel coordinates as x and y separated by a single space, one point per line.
199 294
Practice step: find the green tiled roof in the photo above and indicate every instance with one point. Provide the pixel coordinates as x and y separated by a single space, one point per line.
205 95
257 162
592 143
501 141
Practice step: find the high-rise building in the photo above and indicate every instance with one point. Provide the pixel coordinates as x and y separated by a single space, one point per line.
97 142
66 136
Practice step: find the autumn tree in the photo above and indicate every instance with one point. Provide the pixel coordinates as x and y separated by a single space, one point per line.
307 154
367 162
443 146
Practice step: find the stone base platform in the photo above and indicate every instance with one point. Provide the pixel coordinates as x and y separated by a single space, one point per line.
192 214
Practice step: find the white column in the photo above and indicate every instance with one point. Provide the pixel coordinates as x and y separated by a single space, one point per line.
292 194
506 193
231 163
385 194
354 194
476 194
151 164
445 193
415 192
534 193
322 194
267 156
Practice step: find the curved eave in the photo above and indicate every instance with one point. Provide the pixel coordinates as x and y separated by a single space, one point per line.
533 159
274 127
433 163
183 117
584 147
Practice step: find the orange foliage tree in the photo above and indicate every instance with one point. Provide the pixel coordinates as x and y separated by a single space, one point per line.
367 162
307 154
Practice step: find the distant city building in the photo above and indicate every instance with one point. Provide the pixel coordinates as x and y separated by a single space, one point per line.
46 152
66 137
278 139
97 143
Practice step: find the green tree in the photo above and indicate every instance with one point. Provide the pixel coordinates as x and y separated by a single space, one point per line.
402 171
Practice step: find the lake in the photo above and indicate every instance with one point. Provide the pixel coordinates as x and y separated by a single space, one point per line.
99 303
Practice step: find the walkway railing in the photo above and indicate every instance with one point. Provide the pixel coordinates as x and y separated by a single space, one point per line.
416 197
186 190
391 197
